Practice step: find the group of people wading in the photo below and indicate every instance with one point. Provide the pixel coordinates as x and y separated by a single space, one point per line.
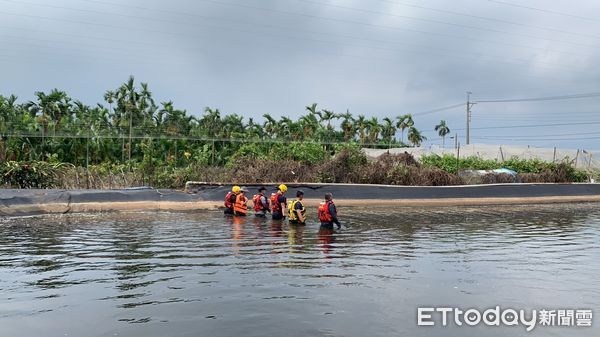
236 204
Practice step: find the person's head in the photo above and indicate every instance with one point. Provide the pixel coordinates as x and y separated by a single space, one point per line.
328 197
282 188
299 194
262 190
235 189
243 190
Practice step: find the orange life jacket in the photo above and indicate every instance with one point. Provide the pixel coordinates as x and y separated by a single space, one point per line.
230 199
258 205
275 204
323 211
240 204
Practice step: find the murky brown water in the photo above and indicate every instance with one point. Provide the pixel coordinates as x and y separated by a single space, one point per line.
199 274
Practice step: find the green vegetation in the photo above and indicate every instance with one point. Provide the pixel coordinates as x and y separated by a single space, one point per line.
130 140
129 127
531 170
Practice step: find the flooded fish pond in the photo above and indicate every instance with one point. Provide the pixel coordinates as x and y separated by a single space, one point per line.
201 274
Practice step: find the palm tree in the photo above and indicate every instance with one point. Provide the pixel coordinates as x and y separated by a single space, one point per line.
309 125
348 127
404 121
312 109
373 129
388 131
442 130
270 126
328 115
361 126
415 137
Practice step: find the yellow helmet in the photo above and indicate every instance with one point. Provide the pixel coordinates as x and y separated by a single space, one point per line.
235 189
282 188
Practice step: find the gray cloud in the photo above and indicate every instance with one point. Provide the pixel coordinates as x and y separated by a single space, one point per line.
379 58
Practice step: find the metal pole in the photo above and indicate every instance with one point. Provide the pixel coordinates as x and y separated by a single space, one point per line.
468 116
130 127
554 156
576 158
456 141
469 106
87 158
457 158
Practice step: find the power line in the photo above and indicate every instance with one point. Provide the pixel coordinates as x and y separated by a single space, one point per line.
548 98
541 139
471 55
356 22
106 3
546 135
445 23
488 18
532 125
543 10
438 109
162 137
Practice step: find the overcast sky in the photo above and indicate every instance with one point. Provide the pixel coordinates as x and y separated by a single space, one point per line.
373 57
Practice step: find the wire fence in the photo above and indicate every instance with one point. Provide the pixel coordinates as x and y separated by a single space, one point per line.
580 158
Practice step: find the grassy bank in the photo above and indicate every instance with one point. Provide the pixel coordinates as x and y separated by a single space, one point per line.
348 165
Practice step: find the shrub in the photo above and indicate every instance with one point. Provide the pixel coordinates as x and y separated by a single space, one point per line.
34 174
307 153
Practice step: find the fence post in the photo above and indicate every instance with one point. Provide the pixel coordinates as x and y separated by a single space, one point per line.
590 162
457 157
554 156
501 153
576 158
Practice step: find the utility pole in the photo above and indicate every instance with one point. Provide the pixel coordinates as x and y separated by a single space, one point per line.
469 106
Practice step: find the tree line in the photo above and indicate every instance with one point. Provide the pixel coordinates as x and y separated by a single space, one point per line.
130 126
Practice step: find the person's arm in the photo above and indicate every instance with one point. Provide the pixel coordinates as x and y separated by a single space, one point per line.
298 210
282 202
333 213
265 204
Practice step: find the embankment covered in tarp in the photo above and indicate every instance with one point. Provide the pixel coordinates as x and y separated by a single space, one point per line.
207 196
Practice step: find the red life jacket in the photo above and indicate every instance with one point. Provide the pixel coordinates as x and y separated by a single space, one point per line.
230 200
258 205
275 204
323 211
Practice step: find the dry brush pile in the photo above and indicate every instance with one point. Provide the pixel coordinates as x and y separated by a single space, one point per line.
347 166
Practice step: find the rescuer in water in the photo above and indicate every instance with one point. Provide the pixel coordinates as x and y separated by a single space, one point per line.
240 207
328 213
261 203
278 202
297 211
230 199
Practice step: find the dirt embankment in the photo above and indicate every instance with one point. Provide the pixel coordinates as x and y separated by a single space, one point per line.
204 196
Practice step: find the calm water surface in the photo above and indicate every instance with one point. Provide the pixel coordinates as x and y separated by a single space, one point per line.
200 274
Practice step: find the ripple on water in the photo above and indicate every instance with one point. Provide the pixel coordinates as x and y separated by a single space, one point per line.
131 270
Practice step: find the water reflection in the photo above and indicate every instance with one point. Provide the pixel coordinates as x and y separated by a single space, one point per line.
167 272
296 236
326 239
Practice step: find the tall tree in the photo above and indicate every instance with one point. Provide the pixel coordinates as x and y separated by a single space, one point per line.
403 122
415 137
442 130
388 131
